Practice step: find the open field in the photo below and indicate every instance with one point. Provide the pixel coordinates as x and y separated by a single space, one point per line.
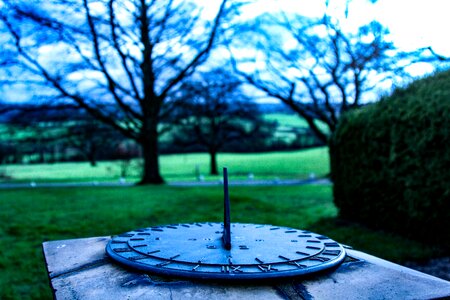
291 120
49 141
292 164
30 216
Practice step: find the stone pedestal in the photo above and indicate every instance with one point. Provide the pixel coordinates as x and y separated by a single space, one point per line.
79 269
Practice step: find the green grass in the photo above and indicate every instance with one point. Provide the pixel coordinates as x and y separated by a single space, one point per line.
291 121
30 216
293 164
288 120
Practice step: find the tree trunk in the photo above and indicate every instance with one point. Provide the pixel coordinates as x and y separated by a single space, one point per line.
41 155
213 162
151 173
92 154
92 160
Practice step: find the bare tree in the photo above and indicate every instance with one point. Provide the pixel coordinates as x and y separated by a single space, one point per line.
217 114
91 138
119 60
315 67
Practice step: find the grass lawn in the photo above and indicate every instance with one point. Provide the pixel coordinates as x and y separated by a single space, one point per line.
292 120
292 164
30 216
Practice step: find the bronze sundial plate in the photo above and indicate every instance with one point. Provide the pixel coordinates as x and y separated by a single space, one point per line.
196 251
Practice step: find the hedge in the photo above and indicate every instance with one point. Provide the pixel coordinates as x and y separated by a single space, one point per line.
390 161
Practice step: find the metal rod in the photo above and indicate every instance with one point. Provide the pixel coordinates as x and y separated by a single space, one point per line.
226 212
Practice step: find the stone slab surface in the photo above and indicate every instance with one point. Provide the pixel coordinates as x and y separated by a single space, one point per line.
79 269
65 256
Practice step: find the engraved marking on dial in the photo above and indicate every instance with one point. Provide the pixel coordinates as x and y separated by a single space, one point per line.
236 269
118 242
290 231
322 237
163 264
156 229
304 235
138 246
120 250
274 228
294 241
153 252
139 257
126 235
312 247
283 257
137 239
331 252
300 266
175 256
143 233
195 268
243 247
258 260
266 268
225 269
313 241
302 253
172 227
319 258
331 244
211 247
185 225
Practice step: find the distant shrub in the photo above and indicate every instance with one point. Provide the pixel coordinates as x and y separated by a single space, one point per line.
390 161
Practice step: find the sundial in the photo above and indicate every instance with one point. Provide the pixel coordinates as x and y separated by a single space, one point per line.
225 251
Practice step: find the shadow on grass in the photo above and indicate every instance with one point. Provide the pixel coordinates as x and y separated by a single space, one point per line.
386 245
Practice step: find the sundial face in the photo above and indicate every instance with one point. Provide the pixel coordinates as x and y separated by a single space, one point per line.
196 251
225 251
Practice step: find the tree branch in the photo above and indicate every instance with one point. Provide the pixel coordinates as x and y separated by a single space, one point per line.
195 61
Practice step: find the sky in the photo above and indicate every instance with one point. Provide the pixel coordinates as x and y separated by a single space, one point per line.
413 24
416 23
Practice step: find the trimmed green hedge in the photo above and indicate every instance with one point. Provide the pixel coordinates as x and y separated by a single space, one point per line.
390 161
